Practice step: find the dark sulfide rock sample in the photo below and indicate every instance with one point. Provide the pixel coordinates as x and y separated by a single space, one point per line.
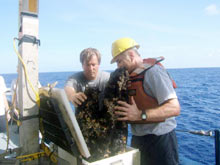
104 135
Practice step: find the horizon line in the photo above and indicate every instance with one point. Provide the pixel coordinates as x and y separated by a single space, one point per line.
112 70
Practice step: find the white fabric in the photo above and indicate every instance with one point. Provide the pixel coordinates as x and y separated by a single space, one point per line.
2 92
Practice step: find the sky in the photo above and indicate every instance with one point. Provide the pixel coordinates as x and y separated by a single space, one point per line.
185 32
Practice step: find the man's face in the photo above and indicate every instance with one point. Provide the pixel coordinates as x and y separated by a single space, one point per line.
124 61
91 68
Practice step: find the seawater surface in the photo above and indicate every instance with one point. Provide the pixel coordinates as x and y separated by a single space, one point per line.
199 95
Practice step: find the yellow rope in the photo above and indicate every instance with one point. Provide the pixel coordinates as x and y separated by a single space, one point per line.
36 155
26 75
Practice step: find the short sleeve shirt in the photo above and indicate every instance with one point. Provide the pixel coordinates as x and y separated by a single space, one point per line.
158 84
78 81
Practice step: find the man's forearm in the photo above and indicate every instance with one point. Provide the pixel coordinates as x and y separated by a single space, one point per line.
159 114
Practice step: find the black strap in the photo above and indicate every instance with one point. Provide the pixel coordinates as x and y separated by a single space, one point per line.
28 117
29 39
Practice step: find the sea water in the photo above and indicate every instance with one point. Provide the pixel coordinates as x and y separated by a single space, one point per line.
199 95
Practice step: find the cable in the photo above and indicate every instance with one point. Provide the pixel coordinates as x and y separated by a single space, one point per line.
26 75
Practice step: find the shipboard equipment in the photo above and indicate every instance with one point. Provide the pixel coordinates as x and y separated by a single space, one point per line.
58 123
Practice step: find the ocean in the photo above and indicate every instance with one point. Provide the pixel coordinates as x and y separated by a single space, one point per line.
199 94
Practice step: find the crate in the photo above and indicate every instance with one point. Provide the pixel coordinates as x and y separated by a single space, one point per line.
130 157
65 116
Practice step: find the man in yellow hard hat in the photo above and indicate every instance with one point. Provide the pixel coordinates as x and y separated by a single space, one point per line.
153 104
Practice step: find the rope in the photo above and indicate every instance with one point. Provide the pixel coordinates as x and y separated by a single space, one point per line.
26 75
201 132
14 96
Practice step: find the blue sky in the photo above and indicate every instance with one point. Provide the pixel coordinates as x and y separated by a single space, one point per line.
186 33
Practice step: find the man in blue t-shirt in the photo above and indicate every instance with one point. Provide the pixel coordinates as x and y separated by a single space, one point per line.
90 59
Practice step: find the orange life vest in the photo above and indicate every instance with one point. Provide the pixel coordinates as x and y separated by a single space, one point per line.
136 89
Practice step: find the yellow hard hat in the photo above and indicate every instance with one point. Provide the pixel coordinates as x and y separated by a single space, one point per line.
122 45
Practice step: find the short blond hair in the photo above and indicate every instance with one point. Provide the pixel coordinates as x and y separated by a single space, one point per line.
87 53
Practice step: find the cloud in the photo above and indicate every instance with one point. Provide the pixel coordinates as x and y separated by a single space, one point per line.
212 10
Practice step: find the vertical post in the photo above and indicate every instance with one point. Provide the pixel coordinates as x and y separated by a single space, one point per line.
28 26
217 147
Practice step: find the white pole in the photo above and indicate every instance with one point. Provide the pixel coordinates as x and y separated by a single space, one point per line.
28 26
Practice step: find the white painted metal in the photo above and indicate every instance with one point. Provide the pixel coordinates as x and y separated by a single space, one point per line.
131 157
29 130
